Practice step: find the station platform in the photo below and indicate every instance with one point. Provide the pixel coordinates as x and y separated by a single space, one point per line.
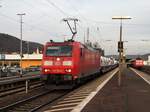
132 96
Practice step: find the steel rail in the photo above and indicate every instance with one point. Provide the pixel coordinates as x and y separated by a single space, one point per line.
3 109
27 101
42 105
19 89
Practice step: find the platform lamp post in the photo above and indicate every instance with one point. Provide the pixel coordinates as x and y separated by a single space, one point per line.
120 45
21 54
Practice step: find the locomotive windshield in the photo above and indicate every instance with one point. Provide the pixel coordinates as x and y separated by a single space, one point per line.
65 50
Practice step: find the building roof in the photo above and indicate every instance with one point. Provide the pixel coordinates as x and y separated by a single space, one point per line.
25 56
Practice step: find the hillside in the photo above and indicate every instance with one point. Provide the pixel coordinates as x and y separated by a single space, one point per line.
10 44
144 57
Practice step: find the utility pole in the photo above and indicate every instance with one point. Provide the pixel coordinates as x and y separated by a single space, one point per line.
88 33
21 54
84 37
120 46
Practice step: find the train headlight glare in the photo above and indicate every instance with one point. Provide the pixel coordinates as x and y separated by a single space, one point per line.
68 70
48 63
67 63
58 59
46 70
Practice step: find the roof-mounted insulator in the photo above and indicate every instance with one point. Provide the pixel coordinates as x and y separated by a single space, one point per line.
51 41
70 40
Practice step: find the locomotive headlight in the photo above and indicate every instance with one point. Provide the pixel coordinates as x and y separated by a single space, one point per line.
67 63
48 63
68 70
46 70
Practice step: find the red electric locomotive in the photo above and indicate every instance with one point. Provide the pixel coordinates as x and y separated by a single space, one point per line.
65 64
137 63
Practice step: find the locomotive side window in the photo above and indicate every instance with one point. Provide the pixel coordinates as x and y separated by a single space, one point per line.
65 50
81 50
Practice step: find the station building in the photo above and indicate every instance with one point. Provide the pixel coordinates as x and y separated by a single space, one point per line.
147 62
27 60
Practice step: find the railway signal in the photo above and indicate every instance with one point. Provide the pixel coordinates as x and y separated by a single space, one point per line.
120 46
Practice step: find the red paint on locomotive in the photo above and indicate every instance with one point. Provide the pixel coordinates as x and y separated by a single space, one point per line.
69 61
137 63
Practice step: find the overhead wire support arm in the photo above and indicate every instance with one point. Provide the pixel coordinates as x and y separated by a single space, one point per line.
72 29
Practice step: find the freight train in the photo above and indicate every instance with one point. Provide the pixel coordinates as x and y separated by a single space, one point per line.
107 64
67 64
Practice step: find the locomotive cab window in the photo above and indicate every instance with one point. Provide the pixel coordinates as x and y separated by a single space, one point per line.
64 50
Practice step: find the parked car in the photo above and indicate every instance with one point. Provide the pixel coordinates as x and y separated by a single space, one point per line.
13 70
33 68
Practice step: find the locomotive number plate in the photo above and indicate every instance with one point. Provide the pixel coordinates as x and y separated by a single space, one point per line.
57 63
57 70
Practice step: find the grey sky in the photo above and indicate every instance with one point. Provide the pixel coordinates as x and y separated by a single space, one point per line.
42 21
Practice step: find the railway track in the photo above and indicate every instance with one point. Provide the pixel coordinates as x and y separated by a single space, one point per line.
146 69
20 89
38 102
34 103
17 84
18 76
